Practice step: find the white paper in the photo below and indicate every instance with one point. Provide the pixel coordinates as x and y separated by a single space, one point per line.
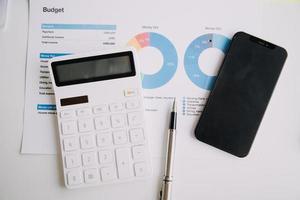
163 33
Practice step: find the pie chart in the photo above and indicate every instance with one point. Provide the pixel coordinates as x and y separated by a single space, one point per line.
191 57
167 50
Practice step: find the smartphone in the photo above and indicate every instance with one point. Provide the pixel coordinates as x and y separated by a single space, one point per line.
241 93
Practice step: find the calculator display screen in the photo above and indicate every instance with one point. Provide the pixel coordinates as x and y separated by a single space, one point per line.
95 68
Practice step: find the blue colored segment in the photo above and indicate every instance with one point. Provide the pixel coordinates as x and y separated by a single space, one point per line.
193 70
80 26
221 42
46 107
170 62
52 55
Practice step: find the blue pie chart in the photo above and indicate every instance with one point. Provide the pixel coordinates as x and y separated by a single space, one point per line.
170 58
191 66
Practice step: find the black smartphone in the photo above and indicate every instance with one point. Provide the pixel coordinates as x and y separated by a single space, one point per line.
241 93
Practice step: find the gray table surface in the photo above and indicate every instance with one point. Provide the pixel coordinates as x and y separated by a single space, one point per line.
276 170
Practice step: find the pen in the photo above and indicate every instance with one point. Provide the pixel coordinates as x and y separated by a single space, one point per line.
165 193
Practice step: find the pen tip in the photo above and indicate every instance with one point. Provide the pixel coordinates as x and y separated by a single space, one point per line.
174 107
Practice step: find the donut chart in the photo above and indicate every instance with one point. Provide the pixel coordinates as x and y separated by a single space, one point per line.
170 58
191 66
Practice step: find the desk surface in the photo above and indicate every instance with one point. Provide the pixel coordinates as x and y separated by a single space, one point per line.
275 161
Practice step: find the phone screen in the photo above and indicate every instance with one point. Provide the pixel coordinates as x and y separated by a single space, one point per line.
241 94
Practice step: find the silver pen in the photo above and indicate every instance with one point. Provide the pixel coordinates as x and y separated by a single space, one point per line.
166 190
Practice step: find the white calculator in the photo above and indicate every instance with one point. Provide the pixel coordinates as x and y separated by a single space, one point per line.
100 116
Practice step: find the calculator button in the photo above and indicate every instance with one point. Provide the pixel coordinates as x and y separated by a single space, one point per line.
138 152
83 112
123 163
132 104
68 127
130 92
105 156
118 121
135 118
100 109
140 169
104 139
87 141
72 160
70 143
116 107
108 173
67 114
120 137
89 159
102 123
85 125
91 176
74 177
136 135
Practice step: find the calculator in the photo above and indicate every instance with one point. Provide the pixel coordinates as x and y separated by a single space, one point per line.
100 115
